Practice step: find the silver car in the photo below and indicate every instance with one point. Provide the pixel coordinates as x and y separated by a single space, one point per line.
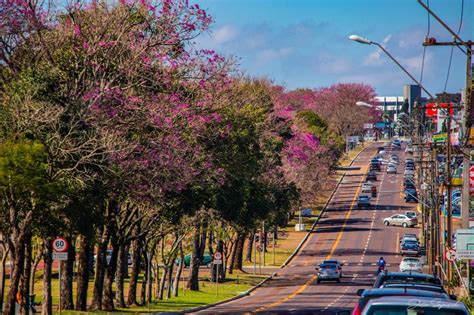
401 220
391 169
414 305
328 272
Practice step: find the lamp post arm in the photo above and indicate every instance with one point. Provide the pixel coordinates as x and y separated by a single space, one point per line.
404 70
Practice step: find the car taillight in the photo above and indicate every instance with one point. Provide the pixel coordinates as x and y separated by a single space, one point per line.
356 310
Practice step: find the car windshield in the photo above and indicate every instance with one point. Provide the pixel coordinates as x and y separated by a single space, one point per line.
410 279
363 197
411 260
328 266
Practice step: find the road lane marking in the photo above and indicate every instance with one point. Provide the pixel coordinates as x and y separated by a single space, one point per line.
331 252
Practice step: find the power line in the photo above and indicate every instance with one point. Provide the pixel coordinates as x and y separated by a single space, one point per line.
424 47
452 48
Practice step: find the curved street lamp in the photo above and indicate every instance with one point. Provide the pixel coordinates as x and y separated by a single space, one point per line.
366 41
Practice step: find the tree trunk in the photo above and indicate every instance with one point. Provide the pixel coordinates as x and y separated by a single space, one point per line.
119 279
179 271
239 253
47 304
230 269
136 262
34 267
210 243
248 257
67 270
193 282
25 277
144 281
100 265
83 273
108 298
202 240
161 292
18 257
170 280
4 253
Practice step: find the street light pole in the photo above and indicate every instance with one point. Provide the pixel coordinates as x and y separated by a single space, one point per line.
366 41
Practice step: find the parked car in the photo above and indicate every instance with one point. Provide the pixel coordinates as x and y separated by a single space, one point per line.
410 247
414 305
363 201
411 214
328 272
367 295
410 195
401 220
367 187
410 264
394 157
409 172
393 162
206 261
391 169
371 176
375 166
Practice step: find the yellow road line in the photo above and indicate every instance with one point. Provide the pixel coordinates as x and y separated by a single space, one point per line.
333 248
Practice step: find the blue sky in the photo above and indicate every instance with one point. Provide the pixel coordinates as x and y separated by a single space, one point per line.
304 43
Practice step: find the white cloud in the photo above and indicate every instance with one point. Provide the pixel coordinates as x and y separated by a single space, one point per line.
375 57
224 34
271 54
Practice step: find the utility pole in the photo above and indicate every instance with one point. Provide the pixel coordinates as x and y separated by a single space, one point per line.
448 188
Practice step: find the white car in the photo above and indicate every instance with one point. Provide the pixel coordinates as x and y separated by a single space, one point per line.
393 162
409 172
367 187
410 264
391 169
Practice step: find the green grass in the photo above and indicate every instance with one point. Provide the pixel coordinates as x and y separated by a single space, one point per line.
234 285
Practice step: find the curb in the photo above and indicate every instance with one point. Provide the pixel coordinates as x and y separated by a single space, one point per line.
204 307
311 230
297 249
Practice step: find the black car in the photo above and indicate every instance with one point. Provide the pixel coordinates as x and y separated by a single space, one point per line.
410 194
409 247
371 176
413 277
369 294
375 167
418 286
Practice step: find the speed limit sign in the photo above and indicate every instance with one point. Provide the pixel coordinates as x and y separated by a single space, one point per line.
60 245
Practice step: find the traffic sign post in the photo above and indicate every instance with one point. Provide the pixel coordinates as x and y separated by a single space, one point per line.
60 247
217 260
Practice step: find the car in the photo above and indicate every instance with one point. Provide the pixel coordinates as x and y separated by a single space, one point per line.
410 247
371 176
396 142
393 162
394 157
418 286
400 219
206 260
328 272
380 149
367 187
409 167
375 166
363 201
338 263
410 264
409 149
403 277
369 294
410 195
409 172
416 305
391 169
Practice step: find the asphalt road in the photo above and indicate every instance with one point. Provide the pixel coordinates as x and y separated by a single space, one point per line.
355 236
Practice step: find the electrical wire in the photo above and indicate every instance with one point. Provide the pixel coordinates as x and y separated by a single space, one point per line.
424 47
452 48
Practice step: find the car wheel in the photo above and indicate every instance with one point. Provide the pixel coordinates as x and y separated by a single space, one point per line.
404 224
318 281
386 223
